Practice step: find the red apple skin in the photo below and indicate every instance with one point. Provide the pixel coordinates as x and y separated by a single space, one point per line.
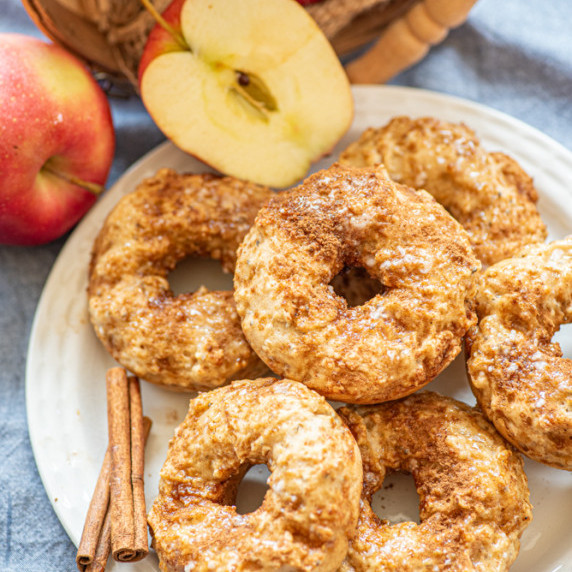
160 41
50 109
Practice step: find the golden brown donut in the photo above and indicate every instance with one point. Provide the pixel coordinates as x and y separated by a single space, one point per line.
518 375
310 508
474 498
185 342
397 341
488 193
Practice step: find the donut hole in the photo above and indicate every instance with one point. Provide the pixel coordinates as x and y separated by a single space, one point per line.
252 489
397 500
355 285
192 272
564 337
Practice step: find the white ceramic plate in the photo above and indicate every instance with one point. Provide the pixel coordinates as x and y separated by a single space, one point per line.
65 378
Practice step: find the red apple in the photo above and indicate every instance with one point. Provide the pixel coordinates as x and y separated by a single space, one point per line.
252 88
56 140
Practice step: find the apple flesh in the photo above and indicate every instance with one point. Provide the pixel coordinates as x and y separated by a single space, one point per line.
252 88
56 140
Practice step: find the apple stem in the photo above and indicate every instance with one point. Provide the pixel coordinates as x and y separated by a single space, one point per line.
94 188
177 36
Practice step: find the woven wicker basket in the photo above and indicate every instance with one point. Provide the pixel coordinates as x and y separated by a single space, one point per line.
110 34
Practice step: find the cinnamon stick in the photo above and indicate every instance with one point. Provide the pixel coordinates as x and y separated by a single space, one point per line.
95 516
140 541
124 400
103 547
121 492
95 544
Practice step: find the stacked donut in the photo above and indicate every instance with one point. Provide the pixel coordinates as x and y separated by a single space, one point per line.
436 284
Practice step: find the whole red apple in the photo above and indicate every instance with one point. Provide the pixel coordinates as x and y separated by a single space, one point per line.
56 140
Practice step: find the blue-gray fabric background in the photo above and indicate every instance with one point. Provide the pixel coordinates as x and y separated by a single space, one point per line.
512 55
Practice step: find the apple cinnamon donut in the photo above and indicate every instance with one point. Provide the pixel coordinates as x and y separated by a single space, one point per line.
488 193
474 497
394 343
186 342
517 373
310 508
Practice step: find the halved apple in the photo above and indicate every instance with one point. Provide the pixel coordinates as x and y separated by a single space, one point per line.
252 88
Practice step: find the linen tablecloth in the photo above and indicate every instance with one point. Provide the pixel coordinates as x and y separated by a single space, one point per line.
513 56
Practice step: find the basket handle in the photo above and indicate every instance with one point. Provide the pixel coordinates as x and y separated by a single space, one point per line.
408 39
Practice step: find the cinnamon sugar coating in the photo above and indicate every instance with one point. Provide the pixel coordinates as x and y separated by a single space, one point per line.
186 342
517 373
488 193
310 508
397 341
474 498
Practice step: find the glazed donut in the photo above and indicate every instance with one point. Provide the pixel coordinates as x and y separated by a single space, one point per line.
312 503
394 343
519 377
474 498
488 193
186 342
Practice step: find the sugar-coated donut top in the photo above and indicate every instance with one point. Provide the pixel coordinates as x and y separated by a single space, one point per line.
487 192
186 342
474 498
310 508
395 342
520 378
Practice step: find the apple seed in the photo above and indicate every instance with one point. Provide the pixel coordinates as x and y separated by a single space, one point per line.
243 78
255 92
